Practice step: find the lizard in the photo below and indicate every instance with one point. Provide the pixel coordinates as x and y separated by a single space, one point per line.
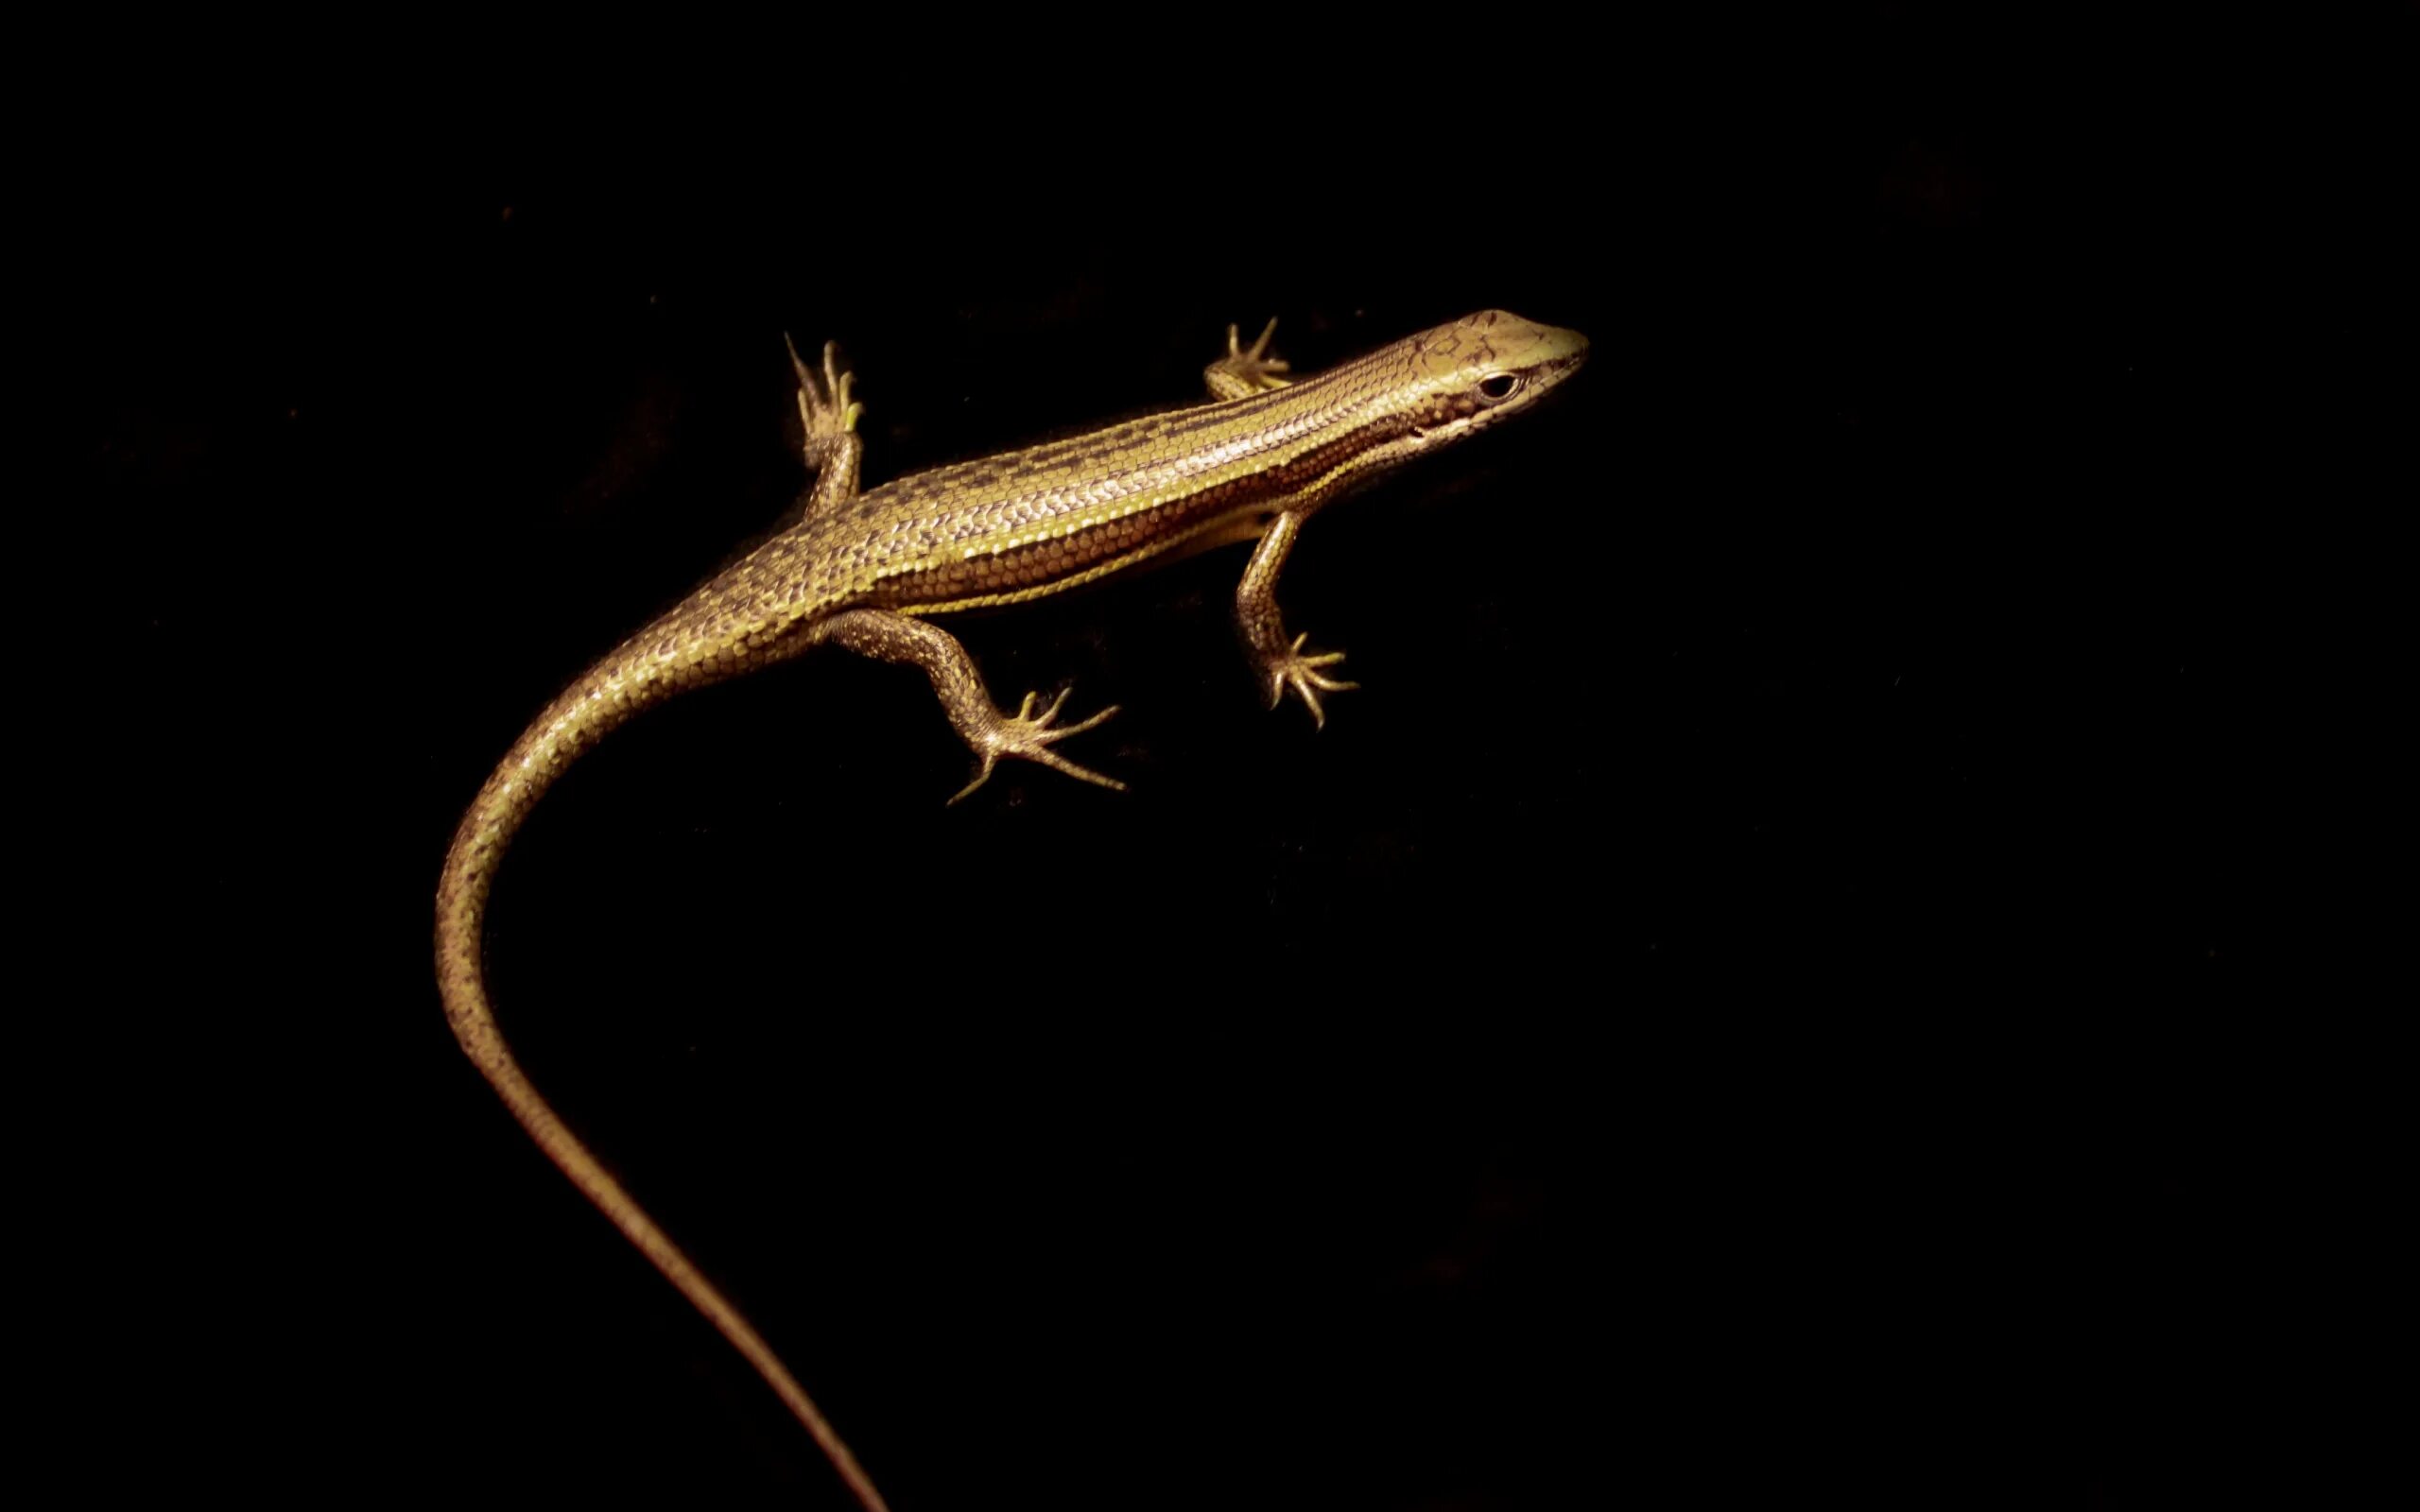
867 569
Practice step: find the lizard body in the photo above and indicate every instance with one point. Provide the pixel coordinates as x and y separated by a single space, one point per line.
863 571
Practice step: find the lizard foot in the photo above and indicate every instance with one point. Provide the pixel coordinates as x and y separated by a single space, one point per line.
1252 368
828 412
1292 669
1027 736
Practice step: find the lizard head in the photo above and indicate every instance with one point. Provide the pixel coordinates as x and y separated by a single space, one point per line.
1482 368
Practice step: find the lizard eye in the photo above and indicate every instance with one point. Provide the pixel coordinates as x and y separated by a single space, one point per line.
1496 387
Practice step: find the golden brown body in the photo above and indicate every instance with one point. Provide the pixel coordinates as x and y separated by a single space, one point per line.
861 570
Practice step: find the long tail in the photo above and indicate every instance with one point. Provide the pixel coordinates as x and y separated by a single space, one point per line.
592 707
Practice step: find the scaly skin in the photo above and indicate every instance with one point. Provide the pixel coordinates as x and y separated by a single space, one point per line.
861 570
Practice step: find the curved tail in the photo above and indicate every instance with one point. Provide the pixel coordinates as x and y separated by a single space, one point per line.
592 707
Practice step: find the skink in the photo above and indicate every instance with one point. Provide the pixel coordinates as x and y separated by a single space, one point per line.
866 570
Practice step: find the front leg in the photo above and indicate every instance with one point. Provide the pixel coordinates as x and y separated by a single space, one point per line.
988 732
1280 664
833 446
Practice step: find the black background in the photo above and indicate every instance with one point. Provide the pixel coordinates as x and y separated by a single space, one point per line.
1789 979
